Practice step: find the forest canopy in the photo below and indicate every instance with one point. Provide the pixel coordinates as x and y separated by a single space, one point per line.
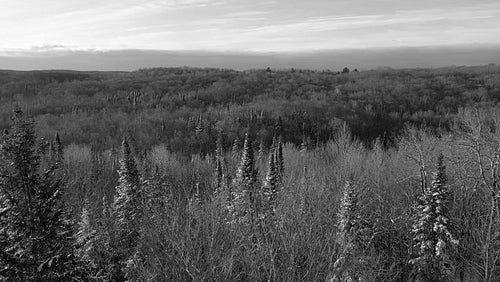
168 105
264 175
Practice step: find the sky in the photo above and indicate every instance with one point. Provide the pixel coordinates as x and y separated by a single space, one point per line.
31 27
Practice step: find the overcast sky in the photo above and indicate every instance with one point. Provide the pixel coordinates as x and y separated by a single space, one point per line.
245 25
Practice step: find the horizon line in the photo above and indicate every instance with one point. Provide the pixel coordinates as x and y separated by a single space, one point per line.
48 49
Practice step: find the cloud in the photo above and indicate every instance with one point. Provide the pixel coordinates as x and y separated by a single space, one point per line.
182 4
259 25
49 47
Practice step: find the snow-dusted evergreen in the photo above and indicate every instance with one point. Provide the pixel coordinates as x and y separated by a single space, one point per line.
86 237
351 263
128 205
432 238
219 166
58 149
270 189
245 193
236 147
36 238
279 159
128 192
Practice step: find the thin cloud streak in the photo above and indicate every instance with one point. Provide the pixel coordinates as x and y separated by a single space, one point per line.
239 26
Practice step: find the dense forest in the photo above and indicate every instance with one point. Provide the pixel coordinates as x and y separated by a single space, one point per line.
168 106
264 175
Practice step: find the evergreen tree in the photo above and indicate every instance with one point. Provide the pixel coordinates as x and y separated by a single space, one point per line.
85 237
93 240
262 149
278 127
219 175
127 205
431 231
219 145
58 148
271 185
245 199
236 146
36 239
352 264
279 159
199 125
219 161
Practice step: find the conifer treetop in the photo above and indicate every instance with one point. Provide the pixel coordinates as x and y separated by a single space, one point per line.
246 169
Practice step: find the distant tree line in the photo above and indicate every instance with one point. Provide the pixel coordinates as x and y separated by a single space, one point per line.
166 106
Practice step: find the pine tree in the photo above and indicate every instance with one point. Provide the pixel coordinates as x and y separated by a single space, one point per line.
262 149
270 190
36 239
279 162
245 199
219 161
85 237
127 205
278 127
236 146
219 175
58 149
351 237
431 231
199 125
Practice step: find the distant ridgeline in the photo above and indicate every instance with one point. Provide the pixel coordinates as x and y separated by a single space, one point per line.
186 108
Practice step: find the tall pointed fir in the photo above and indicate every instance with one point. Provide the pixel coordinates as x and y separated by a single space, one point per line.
93 239
58 149
270 189
36 238
432 238
127 205
86 237
219 175
262 149
245 198
278 126
236 146
351 264
219 160
279 162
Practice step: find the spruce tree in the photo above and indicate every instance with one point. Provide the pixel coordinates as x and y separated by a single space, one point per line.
236 146
262 149
219 161
245 199
219 175
58 149
279 162
93 239
85 237
127 206
219 145
278 127
351 238
271 186
199 125
36 239
432 238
